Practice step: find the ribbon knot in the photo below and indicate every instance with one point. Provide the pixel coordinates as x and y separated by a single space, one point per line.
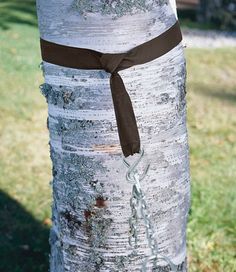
126 121
111 62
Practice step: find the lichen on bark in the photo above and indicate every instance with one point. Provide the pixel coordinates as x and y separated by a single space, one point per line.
117 8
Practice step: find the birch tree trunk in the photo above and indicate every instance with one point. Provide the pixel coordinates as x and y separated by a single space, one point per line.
90 209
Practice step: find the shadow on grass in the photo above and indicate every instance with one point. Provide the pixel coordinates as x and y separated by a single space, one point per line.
230 97
206 90
24 243
17 12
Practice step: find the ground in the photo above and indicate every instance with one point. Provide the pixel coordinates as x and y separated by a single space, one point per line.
25 166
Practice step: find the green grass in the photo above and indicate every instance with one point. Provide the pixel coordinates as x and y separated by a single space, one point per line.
211 94
25 166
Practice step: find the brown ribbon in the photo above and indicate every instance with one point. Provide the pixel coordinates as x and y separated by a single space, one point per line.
82 58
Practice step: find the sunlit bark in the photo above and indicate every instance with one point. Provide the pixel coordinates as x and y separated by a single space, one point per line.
90 208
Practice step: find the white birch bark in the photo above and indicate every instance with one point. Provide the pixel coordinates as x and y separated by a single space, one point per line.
90 209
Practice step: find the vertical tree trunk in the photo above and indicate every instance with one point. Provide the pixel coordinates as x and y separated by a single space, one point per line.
91 207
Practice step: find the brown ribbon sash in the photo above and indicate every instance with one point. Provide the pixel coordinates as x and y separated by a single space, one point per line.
82 58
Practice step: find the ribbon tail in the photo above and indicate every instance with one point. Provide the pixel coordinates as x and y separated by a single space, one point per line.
125 118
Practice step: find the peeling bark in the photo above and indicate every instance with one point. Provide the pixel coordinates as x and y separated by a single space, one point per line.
90 209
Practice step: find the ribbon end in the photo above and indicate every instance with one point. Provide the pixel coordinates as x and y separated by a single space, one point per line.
131 148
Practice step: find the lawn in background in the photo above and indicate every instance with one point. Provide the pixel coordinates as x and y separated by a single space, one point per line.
25 166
